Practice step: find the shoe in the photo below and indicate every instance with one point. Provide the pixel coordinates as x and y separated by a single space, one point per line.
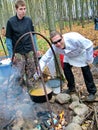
91 97
69 91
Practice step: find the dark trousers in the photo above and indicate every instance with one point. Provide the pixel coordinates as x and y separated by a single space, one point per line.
91 88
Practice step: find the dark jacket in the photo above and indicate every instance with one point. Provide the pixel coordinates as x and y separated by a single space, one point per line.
15 29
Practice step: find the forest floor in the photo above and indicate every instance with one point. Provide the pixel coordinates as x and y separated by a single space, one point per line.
18 112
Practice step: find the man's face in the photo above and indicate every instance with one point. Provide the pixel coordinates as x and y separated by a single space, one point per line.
58 41
21 11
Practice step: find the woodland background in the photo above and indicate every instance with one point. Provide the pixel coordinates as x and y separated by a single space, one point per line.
53 14
62 15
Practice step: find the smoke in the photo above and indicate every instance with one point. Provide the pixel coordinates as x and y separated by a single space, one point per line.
14 98
16 106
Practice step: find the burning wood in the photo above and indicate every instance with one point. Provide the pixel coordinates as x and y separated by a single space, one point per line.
61 121
58 120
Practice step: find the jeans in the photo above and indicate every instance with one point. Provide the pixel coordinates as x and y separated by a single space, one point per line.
87 75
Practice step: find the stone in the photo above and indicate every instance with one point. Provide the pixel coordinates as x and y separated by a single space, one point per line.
62 98
77 119
73 126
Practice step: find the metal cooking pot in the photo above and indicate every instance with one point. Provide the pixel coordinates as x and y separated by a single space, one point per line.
38 95
54 84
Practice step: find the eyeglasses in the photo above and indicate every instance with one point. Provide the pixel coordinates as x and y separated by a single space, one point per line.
57 41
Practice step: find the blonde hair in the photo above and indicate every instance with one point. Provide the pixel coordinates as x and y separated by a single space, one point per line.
19 3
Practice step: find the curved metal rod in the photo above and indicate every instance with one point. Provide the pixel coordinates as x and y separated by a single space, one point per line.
34 33
49 45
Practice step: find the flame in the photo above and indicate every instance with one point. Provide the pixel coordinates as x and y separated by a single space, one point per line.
58 127
61 121
61 115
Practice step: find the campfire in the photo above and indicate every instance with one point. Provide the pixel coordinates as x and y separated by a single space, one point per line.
61 121
58 123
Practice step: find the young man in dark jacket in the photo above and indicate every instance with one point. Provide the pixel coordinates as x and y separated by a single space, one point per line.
16 27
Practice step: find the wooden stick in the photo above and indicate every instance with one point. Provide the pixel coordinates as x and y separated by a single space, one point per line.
88 115
92 123
95 113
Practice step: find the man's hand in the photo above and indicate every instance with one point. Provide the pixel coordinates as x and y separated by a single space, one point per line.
39 54
36 76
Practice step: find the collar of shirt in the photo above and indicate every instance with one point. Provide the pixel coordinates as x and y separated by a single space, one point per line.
18 18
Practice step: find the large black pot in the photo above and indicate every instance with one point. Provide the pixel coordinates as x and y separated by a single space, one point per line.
40 98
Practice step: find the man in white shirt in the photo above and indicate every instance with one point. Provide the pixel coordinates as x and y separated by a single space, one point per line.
77 51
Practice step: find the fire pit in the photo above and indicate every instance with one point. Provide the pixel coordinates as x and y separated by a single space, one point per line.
59 121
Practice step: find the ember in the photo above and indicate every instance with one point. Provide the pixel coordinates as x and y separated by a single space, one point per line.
58 120
61 121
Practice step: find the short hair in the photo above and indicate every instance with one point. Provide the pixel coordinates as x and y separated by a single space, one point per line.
19 3
3 27
54 33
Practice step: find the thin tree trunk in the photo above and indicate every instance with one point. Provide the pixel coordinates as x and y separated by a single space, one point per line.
70 13
82 12
50 15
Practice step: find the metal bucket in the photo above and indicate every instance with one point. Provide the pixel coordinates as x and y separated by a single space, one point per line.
54 84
